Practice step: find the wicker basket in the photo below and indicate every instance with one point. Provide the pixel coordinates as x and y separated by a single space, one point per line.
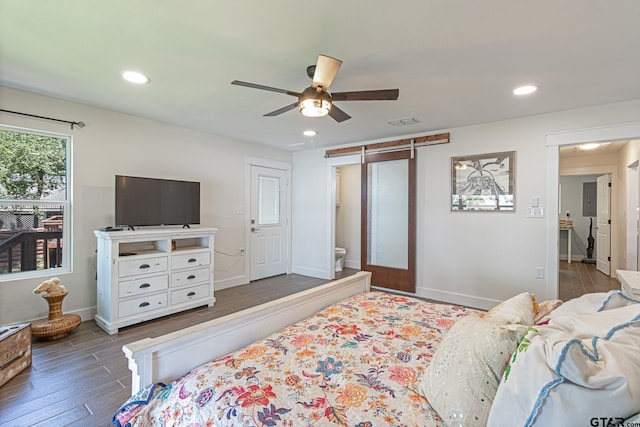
57 325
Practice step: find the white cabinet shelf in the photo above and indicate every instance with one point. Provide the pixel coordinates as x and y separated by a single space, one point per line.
149 273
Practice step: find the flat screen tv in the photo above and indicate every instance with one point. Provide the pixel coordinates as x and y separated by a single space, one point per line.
151 201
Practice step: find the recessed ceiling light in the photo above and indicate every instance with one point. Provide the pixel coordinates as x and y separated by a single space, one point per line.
310 133
525 90
135 77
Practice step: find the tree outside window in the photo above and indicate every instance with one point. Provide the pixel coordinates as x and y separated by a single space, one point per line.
33 201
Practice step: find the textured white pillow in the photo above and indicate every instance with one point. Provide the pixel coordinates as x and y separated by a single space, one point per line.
518 310
583 364
463 376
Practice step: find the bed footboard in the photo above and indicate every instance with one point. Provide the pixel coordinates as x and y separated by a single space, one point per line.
167 357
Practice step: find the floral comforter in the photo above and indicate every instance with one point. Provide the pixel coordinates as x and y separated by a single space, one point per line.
355 363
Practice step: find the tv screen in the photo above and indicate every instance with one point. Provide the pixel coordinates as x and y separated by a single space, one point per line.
151 201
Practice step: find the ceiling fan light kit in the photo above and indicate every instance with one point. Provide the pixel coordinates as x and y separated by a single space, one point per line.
315 107
316 101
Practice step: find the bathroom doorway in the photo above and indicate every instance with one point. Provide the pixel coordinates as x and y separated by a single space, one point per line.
347 219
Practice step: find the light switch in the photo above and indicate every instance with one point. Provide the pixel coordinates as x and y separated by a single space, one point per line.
535 212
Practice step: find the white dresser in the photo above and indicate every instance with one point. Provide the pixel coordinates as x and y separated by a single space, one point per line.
149 273
629 283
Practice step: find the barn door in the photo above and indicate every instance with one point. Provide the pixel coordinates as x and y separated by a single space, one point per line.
389 219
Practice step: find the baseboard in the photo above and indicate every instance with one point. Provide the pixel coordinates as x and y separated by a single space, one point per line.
574 258
312 272
230 283
457 298
349 263
85 314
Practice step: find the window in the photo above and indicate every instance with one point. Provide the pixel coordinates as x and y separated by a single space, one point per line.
34 203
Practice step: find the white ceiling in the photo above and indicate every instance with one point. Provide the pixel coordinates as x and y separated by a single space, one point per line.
602 149
454 62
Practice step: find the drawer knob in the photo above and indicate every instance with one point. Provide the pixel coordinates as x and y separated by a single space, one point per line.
192 260
144 266
143 304
144 285
191 277
190 294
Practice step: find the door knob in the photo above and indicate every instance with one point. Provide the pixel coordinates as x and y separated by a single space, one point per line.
253 229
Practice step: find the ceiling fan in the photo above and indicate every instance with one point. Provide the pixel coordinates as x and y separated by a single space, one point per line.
316 101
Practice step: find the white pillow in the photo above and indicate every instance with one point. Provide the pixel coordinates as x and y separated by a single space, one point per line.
518 310
463 376
583 364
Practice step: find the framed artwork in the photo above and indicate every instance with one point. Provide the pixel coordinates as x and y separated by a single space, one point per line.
483 182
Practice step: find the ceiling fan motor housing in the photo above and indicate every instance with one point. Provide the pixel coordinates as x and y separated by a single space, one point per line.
311 70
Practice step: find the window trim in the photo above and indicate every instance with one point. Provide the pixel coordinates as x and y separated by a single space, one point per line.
67 218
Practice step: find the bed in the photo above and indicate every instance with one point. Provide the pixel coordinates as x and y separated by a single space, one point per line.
344 355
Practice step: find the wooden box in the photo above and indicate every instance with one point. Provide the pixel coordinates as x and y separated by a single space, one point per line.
15 350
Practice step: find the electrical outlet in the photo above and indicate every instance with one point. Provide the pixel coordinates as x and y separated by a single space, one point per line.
539 272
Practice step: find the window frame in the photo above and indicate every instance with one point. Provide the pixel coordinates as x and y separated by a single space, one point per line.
67 237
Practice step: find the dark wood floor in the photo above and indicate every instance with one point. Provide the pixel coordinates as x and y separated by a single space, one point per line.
82 379
578 279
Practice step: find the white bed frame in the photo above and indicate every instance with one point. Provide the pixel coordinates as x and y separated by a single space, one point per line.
169 356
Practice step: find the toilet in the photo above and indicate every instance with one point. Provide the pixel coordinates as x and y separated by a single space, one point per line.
341 254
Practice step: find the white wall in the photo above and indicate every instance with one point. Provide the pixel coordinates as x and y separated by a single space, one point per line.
472 258
114 143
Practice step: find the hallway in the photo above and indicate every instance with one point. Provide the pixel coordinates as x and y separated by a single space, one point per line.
579 278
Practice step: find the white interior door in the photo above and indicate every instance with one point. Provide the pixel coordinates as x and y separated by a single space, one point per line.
603 220
268 226
632 217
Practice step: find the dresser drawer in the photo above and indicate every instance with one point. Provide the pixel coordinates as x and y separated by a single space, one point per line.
142 286
190 260
142 305
191 293
197 275
142 266
629 291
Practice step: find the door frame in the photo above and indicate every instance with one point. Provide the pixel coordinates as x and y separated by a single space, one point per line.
246 210
553 142
332 164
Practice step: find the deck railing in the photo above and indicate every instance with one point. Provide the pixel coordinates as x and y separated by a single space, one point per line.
25 246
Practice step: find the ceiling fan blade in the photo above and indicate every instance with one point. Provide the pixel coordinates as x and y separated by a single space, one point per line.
262 87
282 110
367 95
337 114
326 70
